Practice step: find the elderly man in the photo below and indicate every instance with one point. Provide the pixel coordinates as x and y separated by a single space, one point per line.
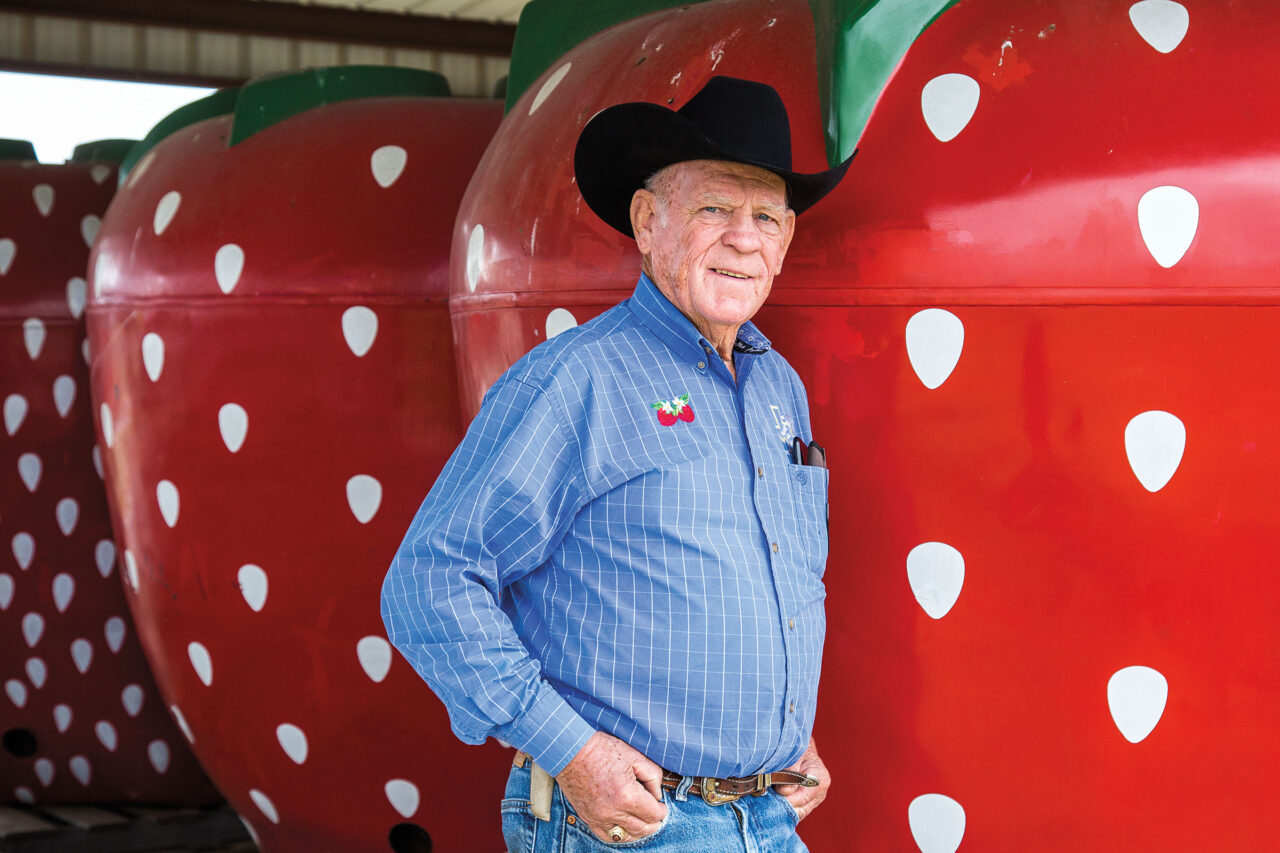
619 571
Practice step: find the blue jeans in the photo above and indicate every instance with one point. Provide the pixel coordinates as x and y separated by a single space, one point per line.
750 825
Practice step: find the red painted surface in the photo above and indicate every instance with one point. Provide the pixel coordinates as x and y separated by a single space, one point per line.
273 553
1025 228
74 676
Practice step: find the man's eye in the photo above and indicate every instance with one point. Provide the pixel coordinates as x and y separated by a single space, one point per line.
764 217
713 209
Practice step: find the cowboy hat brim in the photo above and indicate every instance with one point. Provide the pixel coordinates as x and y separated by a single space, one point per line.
623 145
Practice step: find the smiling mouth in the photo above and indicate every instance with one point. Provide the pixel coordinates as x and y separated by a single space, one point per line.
729 273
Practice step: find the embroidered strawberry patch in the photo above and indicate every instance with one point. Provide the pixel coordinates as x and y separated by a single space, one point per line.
677 409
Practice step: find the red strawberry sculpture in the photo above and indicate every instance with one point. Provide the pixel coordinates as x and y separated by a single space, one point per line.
81 719
1035 322
276 392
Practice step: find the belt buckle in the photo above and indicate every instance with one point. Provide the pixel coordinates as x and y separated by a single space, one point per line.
712 797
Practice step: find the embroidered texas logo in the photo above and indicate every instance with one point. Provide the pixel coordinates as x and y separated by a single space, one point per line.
670 411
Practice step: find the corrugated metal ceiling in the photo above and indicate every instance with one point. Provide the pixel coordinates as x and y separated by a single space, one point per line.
225 42
507 11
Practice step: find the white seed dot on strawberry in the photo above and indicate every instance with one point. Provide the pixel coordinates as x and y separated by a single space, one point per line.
264 804
201 662
166 210
935 571
360 329
131 698
167 500
15 412
32 629
233 424
158 755
1168 218
364 496
947 103
62 717
104 554
29 469
82 654
1154 441
387 164
24 549
43 196
106 734
64 589
76 294
934 340
153 355
374 654
67 513
559 320
81 769
113 631
544 91
8 251
403 796
293 741
17 692
253 586
181 720
64 394
228 264
36 671
1161 23
33 336
937 823
1136 696
89 227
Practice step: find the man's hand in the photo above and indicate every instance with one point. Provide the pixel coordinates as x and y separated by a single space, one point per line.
610 784
805 800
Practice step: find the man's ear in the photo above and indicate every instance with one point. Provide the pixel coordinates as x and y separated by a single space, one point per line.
644 206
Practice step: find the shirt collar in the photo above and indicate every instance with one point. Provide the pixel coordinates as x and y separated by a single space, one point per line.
665 321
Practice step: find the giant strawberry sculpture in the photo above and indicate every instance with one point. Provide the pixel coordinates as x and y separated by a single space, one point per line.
1035 325
275 391
81 719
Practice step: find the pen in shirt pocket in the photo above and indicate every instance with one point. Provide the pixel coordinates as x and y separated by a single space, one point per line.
814 455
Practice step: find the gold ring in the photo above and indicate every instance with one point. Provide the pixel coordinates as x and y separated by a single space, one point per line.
617 834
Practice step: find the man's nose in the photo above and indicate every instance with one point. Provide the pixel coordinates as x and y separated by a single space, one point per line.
742 232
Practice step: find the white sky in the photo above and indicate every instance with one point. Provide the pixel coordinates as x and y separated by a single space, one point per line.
58 113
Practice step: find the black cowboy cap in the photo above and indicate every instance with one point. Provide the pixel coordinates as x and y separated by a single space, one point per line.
728 119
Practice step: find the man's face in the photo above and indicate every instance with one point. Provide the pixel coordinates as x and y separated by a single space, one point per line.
713 238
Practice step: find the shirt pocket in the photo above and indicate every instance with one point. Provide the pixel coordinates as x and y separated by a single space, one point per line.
810 485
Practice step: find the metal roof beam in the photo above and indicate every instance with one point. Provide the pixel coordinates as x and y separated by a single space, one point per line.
288 20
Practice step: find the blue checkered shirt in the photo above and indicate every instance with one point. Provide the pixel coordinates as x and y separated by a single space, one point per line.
581 565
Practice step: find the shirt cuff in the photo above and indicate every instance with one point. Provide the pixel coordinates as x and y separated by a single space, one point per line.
550 731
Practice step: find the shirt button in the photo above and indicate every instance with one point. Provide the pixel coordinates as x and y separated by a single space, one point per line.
760 471
792 623
793 707
571 820
702 365
775 547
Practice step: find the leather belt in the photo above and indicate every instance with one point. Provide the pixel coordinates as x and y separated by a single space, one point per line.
717 792
713 791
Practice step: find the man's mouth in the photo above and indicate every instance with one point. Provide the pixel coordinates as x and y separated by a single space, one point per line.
729 273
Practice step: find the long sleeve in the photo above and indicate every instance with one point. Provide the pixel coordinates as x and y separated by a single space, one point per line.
499 508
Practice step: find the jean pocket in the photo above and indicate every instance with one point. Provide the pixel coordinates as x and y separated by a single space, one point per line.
519 826
788 808
580 839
